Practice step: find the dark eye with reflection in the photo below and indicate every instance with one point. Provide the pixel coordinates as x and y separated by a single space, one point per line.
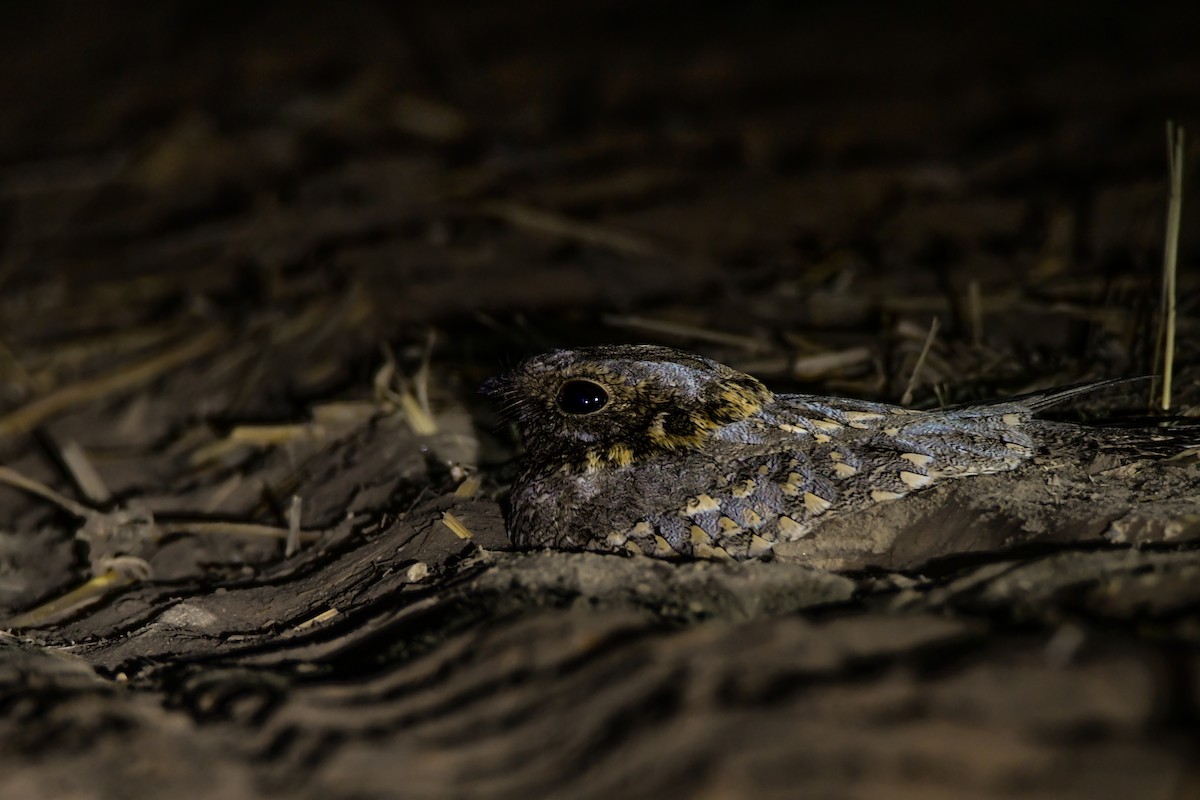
582 397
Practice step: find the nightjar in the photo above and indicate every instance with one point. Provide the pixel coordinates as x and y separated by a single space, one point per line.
647 449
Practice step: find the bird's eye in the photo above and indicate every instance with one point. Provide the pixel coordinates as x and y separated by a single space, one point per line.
582 397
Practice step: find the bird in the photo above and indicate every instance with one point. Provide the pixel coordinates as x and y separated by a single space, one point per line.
645 449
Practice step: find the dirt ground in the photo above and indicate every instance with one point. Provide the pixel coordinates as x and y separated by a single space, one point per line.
255 261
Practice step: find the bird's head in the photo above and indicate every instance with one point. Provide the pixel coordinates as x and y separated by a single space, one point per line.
617 405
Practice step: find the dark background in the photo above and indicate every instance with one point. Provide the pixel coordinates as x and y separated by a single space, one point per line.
755 150
232 233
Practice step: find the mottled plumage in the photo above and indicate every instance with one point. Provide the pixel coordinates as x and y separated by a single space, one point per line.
645 449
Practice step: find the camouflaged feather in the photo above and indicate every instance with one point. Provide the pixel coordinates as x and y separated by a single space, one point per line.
688 457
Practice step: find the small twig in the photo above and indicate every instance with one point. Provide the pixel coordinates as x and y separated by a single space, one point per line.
11 369
421 423
1171 257
975 312
84 473
429 119
939 391
550 223
469 487
456 525
33 414
116 571
18 481
821 365
324 616
685 331
419 420
83 595
421 377
233 529
907 397
293 537
381 382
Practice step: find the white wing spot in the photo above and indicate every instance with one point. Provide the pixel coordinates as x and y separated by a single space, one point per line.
616 539
708 551
790 530
700 504
859 419
729 527
792 487
844 470
815 504
918 459
759 546
914 480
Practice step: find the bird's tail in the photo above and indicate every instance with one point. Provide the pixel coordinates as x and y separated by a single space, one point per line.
1036 401
1044 398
